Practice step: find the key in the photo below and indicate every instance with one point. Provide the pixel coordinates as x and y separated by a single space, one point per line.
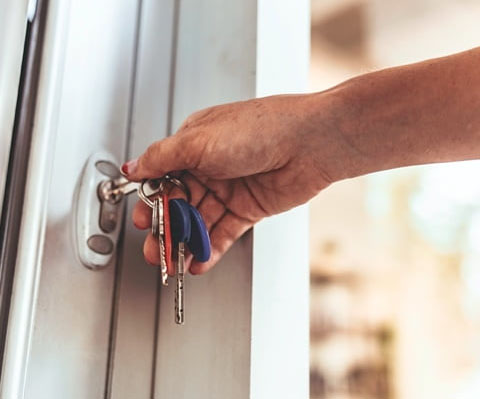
199 243
167 233
155 221
113 191
158 232
181 231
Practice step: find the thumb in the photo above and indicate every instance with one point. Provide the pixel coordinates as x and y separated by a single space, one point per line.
160 158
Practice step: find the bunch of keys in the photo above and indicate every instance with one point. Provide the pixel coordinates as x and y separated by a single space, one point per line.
176 222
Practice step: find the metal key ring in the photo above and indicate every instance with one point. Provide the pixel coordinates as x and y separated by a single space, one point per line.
177 182
143 196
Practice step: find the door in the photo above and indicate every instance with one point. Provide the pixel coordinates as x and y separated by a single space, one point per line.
132 71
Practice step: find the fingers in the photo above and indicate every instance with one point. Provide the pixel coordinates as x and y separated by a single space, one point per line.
142 215
225 227
223 234
222 237
211 210
197 189
160 158
150 250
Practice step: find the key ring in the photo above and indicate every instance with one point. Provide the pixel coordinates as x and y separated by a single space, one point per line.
166 179
143 196
176 182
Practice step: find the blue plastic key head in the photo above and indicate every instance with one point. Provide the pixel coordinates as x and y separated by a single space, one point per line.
199 243
180 220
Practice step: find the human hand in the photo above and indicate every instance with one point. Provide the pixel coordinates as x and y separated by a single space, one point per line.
242 162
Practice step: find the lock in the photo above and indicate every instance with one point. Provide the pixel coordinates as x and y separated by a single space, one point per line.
98 210
98 205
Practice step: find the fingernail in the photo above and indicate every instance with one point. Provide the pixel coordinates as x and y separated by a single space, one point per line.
129 167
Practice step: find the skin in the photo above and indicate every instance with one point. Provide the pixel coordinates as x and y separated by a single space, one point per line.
248 160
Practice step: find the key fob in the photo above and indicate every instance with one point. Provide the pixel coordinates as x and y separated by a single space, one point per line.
199 243
180 223
167 235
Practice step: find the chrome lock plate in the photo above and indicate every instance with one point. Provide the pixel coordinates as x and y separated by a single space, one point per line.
96 216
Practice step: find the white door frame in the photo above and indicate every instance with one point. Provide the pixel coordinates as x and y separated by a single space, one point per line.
30 249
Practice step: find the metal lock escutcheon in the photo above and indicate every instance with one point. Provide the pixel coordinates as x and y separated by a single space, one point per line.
97 219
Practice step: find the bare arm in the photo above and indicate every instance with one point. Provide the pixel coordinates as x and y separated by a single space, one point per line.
415 114
248 160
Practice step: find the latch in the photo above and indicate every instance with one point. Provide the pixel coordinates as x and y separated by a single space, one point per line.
98 209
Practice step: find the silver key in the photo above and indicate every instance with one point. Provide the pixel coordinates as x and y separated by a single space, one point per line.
114 190
180 214
179 289
155 221
157 232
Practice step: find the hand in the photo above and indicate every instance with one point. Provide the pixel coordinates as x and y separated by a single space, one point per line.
248 160
242 162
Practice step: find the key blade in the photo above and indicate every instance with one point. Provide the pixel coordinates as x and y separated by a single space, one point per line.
163 263
124 186
179 289
179 301
155 221
158 205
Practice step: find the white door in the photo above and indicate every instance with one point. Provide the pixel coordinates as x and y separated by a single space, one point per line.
117 75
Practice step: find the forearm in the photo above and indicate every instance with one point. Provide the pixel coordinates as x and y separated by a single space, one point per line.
416 114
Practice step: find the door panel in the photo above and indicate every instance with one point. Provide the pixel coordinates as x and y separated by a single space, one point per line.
137 298
70 342
216 59
207 58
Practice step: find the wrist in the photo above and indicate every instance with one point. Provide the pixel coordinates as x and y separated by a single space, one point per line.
330 140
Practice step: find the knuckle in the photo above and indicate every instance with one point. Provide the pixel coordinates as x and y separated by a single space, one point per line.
199 114
192 148
198 117
150 154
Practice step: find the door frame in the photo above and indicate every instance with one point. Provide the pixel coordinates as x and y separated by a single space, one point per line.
32 228
13 25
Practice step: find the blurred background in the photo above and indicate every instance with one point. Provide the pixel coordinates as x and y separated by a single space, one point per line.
395 256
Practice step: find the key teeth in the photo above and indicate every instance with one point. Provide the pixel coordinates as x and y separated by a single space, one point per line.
164 279
164 269
179 301
158 213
